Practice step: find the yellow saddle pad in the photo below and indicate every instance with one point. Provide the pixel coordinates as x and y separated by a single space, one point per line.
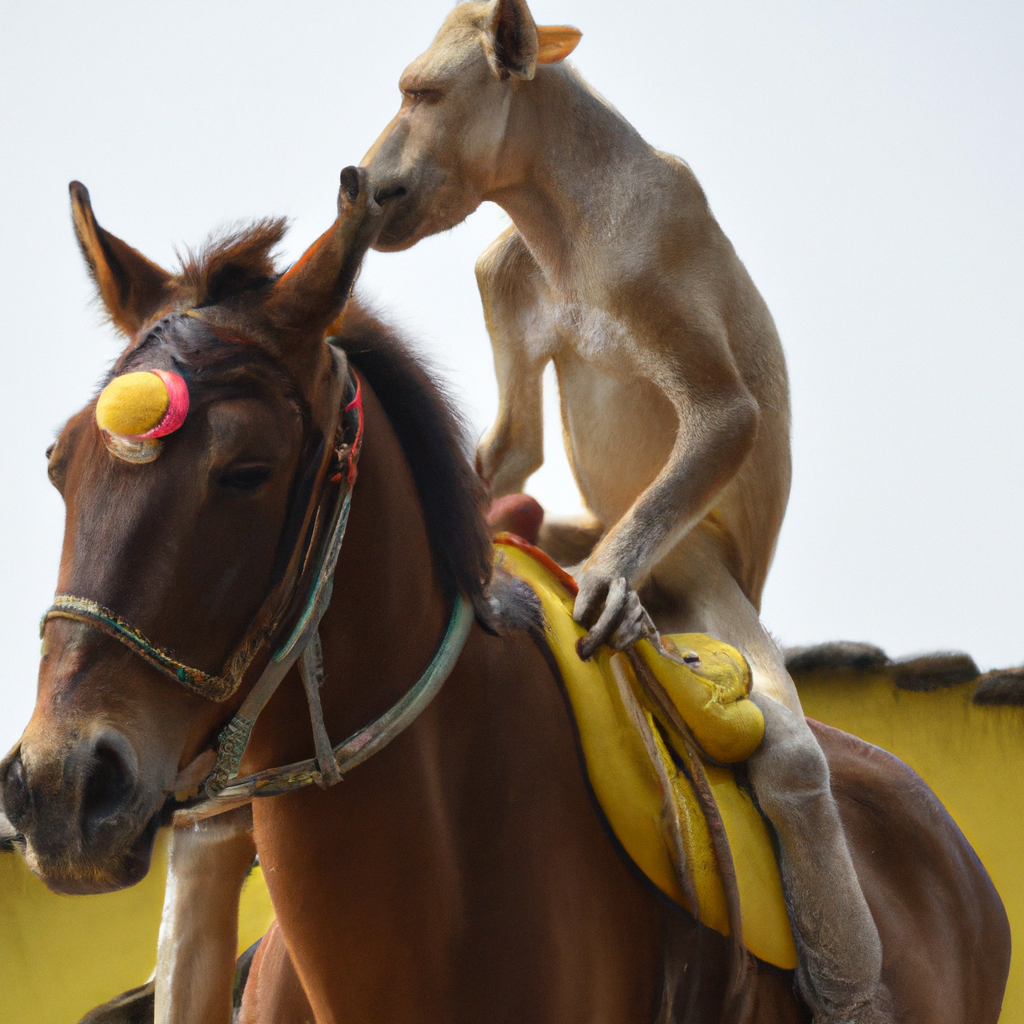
631 757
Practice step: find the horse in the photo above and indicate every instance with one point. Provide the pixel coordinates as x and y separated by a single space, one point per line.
463 872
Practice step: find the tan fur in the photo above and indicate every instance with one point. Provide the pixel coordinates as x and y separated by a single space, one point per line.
674 391
674 395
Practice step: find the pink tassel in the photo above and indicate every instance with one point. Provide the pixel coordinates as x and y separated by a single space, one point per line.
177 406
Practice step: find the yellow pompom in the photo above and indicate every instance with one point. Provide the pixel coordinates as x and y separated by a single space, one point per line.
132 404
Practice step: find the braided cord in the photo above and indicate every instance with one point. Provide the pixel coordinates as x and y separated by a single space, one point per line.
81 609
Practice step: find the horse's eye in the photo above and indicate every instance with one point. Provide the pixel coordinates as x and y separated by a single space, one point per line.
246 478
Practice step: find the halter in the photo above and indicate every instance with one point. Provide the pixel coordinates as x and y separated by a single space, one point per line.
311 574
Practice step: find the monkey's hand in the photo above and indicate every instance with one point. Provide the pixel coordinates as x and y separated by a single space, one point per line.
612 610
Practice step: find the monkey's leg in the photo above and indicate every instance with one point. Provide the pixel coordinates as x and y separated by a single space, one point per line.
840 953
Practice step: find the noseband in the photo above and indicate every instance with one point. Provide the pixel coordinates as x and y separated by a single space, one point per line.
312 566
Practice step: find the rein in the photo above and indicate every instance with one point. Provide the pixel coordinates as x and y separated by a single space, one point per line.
222 789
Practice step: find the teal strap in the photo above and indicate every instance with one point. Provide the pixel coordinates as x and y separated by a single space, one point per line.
235 737
360 745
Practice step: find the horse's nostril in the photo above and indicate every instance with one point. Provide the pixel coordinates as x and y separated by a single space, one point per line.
17 798
108 786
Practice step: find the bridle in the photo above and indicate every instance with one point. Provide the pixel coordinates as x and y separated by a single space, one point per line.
292 610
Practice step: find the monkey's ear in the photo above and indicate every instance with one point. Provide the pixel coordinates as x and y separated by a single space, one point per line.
132 288
510 40
556 42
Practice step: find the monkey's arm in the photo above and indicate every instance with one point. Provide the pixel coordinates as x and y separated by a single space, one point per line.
718 420
510 285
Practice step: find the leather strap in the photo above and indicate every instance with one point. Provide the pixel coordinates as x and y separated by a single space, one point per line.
359 747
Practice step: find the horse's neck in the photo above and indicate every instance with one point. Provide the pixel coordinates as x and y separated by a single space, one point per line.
327 856
387 613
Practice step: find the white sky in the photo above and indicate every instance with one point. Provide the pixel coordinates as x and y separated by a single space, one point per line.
863 156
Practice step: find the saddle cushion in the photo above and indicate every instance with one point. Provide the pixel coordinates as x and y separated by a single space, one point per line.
639 776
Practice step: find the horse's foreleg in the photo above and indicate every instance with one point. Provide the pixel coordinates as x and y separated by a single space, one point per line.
195 970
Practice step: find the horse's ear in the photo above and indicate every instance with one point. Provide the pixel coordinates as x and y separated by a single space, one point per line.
510 40
131 287
556 42
308 298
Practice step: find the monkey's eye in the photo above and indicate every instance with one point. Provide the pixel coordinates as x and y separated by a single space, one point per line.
423 94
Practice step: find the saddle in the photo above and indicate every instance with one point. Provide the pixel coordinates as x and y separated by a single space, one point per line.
660 767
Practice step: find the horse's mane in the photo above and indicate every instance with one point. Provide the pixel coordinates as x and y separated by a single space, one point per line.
234 260
435 439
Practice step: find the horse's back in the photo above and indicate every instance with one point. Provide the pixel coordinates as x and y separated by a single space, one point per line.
945 935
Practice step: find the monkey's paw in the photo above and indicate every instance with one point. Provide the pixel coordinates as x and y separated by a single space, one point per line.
612 610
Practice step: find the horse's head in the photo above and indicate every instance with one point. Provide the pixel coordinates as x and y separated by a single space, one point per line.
184 550
447 149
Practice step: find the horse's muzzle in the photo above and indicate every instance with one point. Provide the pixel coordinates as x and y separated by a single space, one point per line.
81 812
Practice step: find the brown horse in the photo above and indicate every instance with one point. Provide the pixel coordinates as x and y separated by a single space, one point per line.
463 873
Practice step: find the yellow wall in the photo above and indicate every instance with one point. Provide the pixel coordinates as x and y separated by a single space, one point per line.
62 955
971 756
